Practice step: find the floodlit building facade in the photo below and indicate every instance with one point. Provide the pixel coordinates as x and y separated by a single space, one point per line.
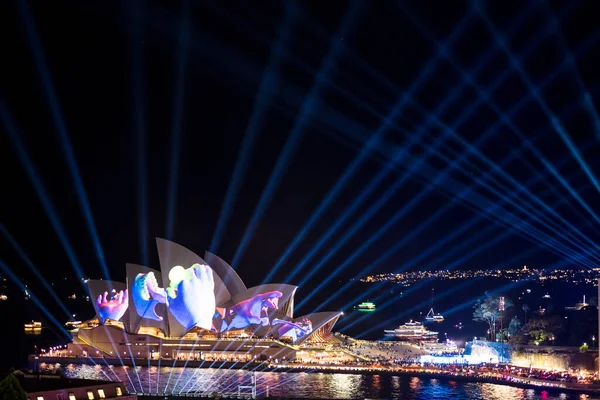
195 308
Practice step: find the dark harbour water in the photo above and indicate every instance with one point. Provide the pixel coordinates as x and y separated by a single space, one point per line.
312 385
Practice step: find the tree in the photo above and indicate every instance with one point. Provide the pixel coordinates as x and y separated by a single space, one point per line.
514 326
526 309
542 329
10 389
488 311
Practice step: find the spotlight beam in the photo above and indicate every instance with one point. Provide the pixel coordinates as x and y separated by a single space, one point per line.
486 96
373 141
350 132
555 121
580 160
440 178
563 43
139 127
308 107
476 250
589 105
455 200
40 191
6 270
10 238
511 285
267 87
454 235
178 108
563 134
61 129
384 253
413 166
557 264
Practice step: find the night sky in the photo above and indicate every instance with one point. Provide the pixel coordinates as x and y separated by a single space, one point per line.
157 101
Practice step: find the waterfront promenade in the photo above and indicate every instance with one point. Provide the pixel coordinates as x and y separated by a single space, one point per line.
570 381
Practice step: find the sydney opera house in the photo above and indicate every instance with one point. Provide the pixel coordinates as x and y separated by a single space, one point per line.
199 309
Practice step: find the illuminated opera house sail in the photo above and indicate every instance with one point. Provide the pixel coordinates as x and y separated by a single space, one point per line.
194 307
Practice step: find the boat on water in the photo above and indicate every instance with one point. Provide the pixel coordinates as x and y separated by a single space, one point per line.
366 306
433 317
33 326
413 332
578 306
72 324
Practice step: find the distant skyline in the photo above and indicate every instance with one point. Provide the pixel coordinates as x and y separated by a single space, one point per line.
305 143
565 275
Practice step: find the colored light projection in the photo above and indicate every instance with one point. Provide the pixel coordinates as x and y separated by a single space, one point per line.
190 296
190 300
253 311
294 330
147 295
188 293
111 299
148 298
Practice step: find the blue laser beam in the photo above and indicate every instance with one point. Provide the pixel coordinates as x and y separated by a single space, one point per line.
267 87
589 105
40 190
488 212
483 60
555 23
139 127
373 141
557 264
61 129
535 91
6 270
563 134
516 108
486 94
580 160
13 242
475 250
185 365
455 234
178 108
308 107
394 219
132 356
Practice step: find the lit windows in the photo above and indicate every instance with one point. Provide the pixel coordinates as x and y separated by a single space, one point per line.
119 392
40 398
101 393
72 396
90 395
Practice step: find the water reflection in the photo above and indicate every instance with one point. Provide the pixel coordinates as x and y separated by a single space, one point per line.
306 385
415 383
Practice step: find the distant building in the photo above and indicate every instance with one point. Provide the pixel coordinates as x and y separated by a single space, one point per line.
44 386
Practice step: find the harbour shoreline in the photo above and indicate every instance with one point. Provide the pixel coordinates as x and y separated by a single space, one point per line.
504 379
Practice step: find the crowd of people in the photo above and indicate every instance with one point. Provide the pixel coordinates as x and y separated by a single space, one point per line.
387 352
405 358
